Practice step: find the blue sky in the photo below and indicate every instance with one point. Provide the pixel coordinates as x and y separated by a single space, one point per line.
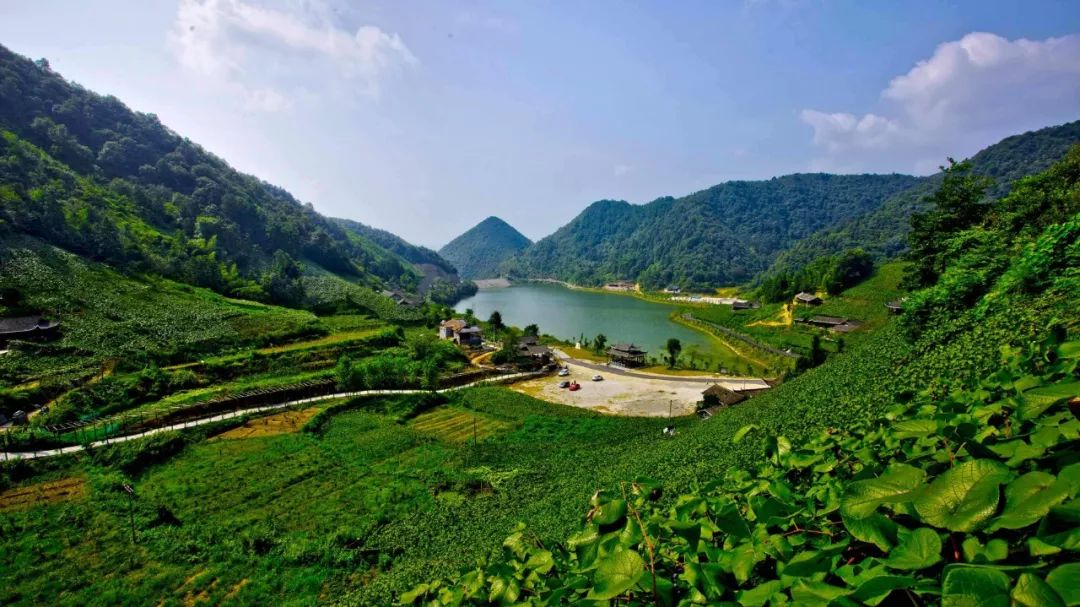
425 117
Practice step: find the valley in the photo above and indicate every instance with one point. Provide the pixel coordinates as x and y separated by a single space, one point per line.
814 389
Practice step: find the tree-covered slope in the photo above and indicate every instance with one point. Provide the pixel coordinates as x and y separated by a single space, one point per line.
479 252
883 231
719 236
935 464
84 172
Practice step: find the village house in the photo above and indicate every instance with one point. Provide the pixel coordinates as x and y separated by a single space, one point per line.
808 299
832 323
627 354
460 332
449 328
673 289
895 306
469 336
27 328
717 395
403 299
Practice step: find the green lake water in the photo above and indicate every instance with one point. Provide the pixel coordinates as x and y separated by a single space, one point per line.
568 313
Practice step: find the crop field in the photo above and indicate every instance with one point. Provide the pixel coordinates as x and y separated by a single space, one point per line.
370 505
278 423
46 492
455 425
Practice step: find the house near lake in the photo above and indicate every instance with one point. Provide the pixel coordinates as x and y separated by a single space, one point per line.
460 332
627 355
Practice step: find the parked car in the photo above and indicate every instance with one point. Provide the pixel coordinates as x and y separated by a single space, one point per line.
598 377
564 384
564 372
574 386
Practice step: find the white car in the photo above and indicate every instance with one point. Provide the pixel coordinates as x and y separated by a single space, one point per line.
564 372
598 378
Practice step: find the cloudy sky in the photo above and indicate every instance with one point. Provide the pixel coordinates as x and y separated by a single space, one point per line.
425 117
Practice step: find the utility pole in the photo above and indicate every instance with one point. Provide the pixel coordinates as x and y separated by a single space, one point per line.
131 510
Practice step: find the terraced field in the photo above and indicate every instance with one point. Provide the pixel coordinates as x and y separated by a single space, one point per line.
455 425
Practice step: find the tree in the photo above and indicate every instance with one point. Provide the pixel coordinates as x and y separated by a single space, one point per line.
674 346
957 205
496 322
532 330
600 342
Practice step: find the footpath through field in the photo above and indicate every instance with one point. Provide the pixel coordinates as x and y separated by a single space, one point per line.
17 455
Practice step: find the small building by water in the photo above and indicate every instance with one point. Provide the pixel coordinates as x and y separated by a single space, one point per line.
627 354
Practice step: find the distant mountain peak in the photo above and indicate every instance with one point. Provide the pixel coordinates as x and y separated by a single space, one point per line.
480 250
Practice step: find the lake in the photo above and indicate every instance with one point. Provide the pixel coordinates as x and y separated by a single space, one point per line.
568 313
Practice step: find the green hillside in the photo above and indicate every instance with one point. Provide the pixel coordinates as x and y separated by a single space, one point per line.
720 236
883 231
381 495
85 173
479 252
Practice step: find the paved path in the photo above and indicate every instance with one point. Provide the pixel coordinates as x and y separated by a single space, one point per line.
15 455
734 383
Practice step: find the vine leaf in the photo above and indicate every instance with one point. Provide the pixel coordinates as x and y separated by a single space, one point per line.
965 497
617 573
1032 591
1065 580
975 586
918 549
1029 498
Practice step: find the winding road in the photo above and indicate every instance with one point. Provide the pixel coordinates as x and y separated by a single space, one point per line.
23 455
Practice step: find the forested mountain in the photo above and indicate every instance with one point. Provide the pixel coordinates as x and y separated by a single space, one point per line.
723 235
883 231
83 172
479 252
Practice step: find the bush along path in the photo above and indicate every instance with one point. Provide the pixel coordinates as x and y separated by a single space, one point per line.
43 453
968 500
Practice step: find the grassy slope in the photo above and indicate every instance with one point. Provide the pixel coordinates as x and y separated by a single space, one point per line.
108 315
373 506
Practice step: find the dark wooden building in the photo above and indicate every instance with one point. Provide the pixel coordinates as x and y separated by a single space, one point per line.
808 299
627 354
27 327
717 395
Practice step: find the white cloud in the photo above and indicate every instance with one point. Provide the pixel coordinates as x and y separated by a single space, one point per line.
968 94
261 51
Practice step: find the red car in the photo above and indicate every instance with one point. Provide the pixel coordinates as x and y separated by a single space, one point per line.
574 386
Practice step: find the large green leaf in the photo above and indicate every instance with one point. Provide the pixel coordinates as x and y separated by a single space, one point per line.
918 549
1065 580
1038 400
965 497
807 592
876 529
975 587
1029 498
913 428
759 595
862 498
610 512
616 574
742 432
1032 591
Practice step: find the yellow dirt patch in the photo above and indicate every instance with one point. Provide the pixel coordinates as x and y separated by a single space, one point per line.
784 319
49 492
234 590
278 423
